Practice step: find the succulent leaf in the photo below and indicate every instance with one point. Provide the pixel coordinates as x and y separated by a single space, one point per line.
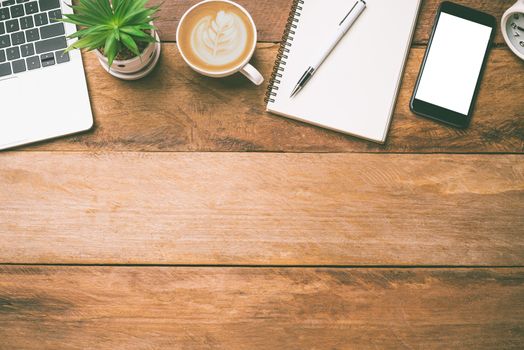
111 25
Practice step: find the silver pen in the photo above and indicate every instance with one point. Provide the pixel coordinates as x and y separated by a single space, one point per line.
343 28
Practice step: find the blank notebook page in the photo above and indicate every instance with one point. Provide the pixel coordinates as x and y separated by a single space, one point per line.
355 90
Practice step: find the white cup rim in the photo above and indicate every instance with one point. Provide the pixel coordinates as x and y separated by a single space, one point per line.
225 72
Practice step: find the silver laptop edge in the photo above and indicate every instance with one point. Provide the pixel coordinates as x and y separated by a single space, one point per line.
47 102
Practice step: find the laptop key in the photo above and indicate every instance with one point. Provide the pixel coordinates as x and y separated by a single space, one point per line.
41 19
21 1
17 38
46 5
19 66
17 11
12 26
31 7
5 69
62 57
52 30
48 59
27 50
48 45
8 2
4 41
26 22
4 14
2 56
33 62
2 28
32 34
12 53
55 14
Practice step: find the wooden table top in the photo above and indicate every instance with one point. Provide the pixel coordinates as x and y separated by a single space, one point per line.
190 218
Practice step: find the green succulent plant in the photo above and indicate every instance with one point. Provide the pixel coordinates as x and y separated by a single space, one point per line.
112 26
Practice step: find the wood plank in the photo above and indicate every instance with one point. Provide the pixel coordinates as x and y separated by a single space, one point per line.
176 109
237 308
270 16
261 209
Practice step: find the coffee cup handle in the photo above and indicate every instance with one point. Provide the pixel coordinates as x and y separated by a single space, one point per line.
252 74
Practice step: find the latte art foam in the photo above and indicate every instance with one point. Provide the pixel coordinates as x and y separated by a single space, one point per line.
216 36
219 40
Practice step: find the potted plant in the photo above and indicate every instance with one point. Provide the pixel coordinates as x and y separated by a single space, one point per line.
120 31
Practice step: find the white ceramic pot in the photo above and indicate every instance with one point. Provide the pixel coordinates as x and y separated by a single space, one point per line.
133 65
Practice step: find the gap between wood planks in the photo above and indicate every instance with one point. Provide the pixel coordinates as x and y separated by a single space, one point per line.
94 152
495 46
247 266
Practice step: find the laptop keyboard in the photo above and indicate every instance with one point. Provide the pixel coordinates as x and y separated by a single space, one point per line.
29 37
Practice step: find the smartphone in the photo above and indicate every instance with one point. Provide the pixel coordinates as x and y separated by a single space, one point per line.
453 65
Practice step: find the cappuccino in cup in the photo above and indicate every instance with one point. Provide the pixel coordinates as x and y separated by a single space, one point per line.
218 38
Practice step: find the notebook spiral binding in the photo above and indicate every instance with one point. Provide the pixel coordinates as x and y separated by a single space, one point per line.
283 51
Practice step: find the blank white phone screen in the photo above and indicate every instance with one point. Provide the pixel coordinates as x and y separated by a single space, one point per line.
454 63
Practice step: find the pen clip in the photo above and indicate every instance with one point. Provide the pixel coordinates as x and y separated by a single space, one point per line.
346 16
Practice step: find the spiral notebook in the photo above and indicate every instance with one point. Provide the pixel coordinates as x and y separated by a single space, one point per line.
356 88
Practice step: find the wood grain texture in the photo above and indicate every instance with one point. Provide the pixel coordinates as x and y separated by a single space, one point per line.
101 206
175 109
262 209
223 308
270 16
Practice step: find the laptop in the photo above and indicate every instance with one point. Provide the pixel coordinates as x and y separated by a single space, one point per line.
43 92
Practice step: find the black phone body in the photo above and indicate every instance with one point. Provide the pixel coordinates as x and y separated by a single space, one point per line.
453 65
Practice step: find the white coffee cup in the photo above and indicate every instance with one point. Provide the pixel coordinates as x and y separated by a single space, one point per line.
245 68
